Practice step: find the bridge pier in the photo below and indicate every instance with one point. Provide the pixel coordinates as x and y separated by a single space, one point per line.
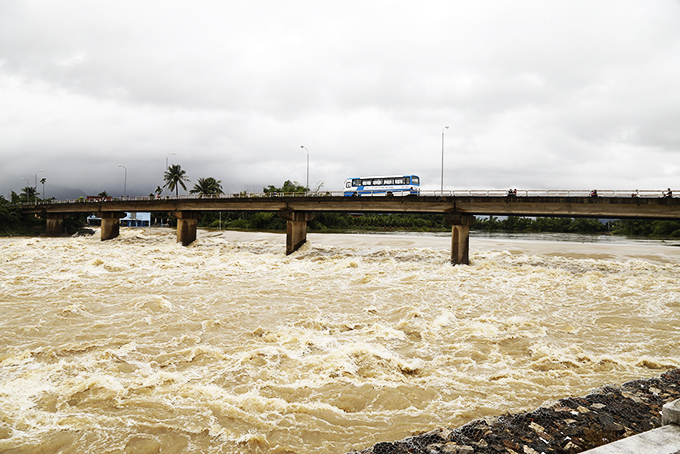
296 229
110 228
186 226
55 224
460 237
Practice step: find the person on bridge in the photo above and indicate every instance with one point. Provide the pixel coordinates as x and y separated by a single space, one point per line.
593 193
668 194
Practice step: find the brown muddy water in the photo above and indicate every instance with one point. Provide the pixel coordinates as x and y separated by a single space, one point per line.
138 344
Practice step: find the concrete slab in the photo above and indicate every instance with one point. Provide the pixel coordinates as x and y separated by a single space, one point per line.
664 440
670 413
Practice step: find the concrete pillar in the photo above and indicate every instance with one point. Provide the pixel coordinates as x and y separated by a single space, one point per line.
110 224
296 230
186 225
55 224
460 237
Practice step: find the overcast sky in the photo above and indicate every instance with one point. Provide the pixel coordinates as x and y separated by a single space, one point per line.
537 94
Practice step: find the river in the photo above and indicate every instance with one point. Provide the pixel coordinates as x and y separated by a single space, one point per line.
140 345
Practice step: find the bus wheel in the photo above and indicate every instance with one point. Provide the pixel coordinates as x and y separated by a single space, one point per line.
389 194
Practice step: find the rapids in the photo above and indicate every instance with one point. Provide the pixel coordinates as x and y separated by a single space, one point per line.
138 344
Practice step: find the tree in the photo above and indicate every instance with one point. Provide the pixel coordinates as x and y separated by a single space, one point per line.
42 181
9 218
103 194
174 178
29 193
207 186
288 186
633 227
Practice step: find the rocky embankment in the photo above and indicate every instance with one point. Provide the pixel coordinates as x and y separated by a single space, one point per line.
570 425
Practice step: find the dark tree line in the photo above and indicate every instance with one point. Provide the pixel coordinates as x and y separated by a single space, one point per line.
637 227
541 224
14 222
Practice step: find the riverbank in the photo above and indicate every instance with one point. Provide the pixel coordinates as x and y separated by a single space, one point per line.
570 425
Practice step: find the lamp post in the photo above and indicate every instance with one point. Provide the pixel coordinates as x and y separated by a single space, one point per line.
166 168
442 187
35 194
125 182
302 146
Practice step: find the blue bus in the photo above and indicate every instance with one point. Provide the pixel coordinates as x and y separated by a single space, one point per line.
391 185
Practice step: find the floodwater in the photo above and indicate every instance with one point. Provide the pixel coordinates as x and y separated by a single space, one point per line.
140 345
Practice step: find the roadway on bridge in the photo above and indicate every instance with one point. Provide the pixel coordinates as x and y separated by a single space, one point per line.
612 206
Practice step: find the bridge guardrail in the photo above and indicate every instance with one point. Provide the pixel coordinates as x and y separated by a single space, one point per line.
646 193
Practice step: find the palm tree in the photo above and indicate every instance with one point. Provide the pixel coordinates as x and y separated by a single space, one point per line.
43 180
207 186
28 194
174 178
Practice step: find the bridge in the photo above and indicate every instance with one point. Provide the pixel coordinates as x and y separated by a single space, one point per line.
458 207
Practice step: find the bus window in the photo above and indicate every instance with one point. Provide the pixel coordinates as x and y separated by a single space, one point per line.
377 182
415 180
356 182
399 181
388 181
348 185
365 182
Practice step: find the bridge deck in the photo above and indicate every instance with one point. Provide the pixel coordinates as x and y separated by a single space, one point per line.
298 210
574 206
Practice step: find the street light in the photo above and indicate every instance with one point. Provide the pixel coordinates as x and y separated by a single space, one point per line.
35 194
166 160
125 183
442 188
166 168
302 146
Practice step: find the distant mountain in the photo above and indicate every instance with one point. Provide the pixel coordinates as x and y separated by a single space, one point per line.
11 182
61 193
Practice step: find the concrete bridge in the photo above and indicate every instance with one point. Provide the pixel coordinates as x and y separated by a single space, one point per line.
459 209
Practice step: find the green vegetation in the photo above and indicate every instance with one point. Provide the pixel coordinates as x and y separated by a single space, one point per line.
12 222
400 222
28 194
175 177
654 229
207 186
74 222
541 224
288 187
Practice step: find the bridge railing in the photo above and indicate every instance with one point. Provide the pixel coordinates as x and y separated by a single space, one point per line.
646 193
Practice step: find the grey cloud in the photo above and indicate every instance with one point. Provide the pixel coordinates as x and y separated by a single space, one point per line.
534 93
